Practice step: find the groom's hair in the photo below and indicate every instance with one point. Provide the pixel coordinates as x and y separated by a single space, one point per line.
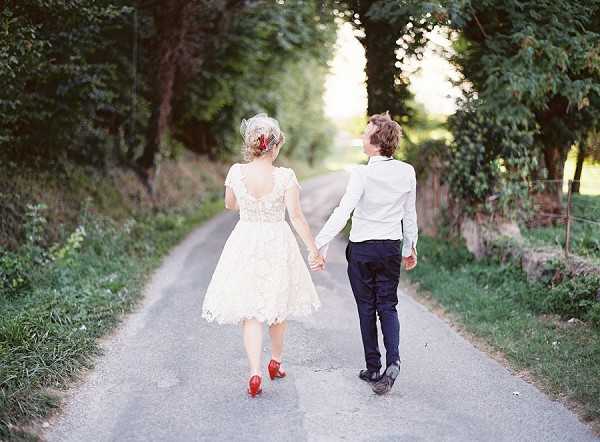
388 133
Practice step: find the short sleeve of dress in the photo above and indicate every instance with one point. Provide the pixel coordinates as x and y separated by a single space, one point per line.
231 175
292 180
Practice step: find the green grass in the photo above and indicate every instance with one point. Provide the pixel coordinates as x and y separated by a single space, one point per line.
55 303
495 301
585 237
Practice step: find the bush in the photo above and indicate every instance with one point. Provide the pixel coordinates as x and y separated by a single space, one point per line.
489 156
421 155
557 292
448 254
593 315
14 273
572 297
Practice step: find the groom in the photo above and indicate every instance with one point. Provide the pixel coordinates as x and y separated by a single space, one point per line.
382 196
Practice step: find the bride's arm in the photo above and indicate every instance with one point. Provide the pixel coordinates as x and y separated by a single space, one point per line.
292 202
230 199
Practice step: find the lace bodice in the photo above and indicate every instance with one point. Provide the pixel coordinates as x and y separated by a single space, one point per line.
269 208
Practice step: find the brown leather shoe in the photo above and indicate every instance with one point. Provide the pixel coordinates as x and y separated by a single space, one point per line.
385 384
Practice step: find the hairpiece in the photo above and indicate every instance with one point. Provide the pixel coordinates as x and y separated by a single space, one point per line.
267 127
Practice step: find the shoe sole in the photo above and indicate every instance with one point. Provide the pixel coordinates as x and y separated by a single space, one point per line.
369 381
386 390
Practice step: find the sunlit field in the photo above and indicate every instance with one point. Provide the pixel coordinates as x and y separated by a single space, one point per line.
590 176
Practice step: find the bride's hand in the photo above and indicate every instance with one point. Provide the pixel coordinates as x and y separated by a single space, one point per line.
316 261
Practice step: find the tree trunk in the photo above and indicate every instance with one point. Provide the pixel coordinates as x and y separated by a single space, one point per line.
172 26
554 159
386 90
582 152
159 120
312 150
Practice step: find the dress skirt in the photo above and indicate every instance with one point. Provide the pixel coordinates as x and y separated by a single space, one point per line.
260 274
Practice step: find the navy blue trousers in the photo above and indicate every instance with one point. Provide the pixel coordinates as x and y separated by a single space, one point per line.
374 272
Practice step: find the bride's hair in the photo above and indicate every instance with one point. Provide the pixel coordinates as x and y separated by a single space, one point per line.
261 134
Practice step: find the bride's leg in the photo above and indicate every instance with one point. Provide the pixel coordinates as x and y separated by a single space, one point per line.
253 344
277 331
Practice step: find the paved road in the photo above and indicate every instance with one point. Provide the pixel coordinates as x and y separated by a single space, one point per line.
169 376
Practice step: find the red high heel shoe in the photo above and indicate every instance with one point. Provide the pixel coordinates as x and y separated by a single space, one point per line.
274 370
254 385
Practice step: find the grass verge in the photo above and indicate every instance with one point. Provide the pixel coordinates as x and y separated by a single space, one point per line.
55 302
495 302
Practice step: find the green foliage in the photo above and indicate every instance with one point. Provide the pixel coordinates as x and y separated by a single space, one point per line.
423 156
556 291
14 273
593 314
392 32
63 77
523 55
52 313
78 81
571 297
16 268
535 68
425 143
354 125
34 233
274 60
68 251
489 154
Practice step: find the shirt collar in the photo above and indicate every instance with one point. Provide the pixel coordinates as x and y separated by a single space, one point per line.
376 158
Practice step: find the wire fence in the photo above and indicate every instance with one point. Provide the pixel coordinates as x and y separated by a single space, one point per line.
565 218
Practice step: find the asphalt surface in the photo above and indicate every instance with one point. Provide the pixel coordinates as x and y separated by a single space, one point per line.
167 375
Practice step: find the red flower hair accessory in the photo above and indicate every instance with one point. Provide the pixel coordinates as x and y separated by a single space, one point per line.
263 142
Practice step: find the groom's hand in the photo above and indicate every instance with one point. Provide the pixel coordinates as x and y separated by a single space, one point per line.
316 262
410 262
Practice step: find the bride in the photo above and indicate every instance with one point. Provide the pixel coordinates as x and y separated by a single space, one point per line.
261 276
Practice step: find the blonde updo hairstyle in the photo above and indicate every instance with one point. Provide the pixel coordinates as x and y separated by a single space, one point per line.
261 135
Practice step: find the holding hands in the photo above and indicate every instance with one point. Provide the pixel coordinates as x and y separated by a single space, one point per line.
316 261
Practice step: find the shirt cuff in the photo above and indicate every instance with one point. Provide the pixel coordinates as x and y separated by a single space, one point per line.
323 250
407 247
319 241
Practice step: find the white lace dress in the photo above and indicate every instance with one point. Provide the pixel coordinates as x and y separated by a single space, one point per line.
261 273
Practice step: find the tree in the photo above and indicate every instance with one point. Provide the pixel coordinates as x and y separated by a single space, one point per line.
273 59
535 65
392 31
185 32
117 80
387 87
64 82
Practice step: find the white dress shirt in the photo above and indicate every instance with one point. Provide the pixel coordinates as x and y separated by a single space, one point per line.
382 195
